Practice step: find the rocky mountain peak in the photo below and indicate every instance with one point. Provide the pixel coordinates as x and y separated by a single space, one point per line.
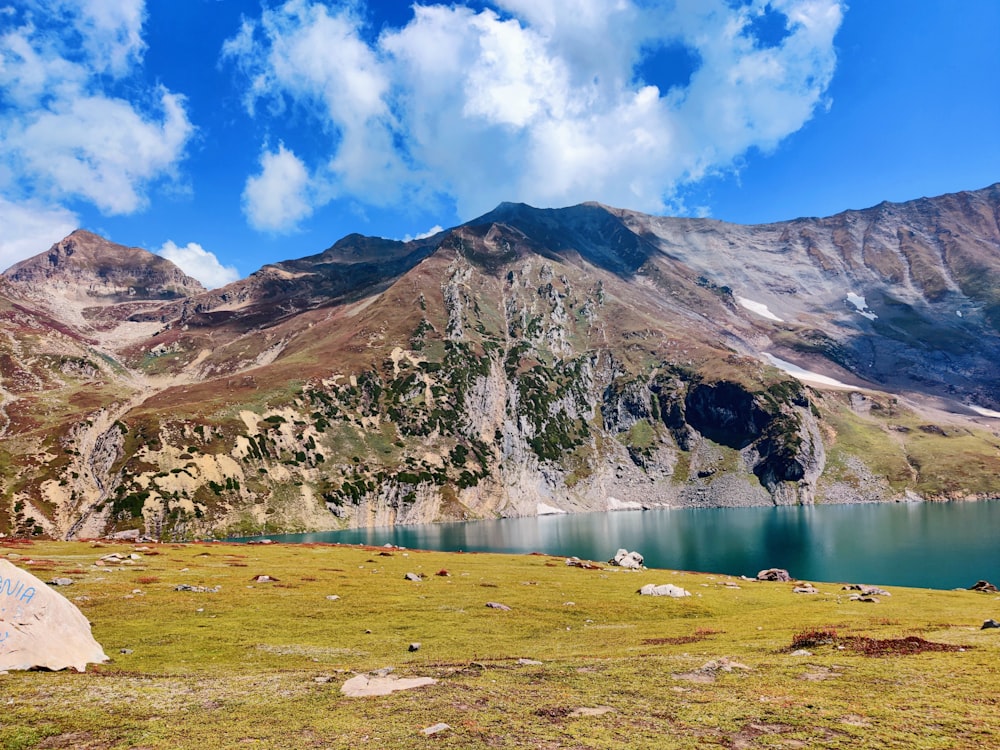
532 360
108 272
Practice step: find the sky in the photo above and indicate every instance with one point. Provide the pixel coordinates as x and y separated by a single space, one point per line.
228 134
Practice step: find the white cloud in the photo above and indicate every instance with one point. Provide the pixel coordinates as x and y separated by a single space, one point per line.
196 261
100 149
63 134
30 229
436 229
277 199
543 103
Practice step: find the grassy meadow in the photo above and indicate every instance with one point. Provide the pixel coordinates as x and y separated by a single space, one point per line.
260 665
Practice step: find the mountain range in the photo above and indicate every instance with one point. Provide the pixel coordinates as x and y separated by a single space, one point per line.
530 361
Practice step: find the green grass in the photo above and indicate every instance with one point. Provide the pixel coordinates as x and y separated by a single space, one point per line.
261 665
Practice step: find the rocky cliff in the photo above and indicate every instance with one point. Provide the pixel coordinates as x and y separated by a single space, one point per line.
532 361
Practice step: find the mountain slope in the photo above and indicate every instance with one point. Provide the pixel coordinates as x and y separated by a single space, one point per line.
530 361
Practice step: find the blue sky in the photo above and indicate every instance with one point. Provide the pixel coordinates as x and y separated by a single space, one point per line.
226 134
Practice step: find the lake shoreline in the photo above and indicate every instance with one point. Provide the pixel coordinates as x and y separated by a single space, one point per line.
926 545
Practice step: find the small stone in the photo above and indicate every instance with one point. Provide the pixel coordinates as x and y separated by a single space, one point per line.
991 623
529 662
498 605
569 604
125 651
333 597
801 652
413 577
368 632
61 582
435 729
322 679
415 646
264 578
806 588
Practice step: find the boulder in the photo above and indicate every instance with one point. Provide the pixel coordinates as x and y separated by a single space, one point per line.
576 562
625 559
40 628
866 590
985 586
991 623
666 589
773 574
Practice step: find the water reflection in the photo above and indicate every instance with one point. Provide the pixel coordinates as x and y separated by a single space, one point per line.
932 545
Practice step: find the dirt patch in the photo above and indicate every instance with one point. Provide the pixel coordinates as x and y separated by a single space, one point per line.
74 740
897 646
675 641
749 734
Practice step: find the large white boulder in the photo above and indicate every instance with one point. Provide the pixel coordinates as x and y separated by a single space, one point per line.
625 559
40 628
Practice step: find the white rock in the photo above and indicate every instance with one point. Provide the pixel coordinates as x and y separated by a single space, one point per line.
364 685
435 728
666 589
40 628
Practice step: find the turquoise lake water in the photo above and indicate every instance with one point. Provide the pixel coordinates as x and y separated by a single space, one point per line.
931 545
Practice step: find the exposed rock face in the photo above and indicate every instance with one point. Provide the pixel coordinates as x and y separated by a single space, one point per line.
531 361
40 628
87 264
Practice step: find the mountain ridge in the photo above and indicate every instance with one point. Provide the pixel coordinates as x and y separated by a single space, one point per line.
530 360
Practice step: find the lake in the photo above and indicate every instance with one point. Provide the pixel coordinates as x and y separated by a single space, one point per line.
930 545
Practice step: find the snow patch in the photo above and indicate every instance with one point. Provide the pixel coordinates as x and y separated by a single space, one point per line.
548 510
615 504
758 308
861 305
805 376
983 412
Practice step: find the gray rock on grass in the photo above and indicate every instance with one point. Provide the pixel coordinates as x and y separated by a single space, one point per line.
666 589
774 574
628 560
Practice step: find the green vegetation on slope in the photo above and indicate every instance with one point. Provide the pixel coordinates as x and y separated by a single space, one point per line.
261 664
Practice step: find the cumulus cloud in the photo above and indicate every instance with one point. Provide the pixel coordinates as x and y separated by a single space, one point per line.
67 131
30 229
277 199
543 101
196 261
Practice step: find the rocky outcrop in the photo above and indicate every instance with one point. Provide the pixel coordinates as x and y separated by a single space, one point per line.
532 361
